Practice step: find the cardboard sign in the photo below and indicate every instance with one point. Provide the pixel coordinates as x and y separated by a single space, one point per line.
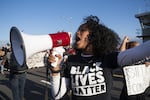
137 78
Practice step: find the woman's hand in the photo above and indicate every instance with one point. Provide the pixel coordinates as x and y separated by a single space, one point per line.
51 59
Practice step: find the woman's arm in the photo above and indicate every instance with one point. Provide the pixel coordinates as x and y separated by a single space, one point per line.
59 85
133 55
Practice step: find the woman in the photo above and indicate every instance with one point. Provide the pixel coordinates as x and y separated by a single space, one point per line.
88 73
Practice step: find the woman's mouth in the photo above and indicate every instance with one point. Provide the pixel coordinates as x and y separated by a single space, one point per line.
77 39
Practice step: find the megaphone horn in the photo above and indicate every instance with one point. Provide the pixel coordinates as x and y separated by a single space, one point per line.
24 45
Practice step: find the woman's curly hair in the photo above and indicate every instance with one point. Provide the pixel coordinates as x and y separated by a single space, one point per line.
103 39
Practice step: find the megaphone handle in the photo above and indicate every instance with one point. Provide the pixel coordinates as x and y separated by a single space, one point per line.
57 50
54 64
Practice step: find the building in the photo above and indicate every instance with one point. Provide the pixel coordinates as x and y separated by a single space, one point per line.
144 19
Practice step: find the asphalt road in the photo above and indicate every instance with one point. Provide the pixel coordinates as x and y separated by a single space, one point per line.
37 90
34 88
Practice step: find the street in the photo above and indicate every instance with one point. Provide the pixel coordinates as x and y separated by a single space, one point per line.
37 87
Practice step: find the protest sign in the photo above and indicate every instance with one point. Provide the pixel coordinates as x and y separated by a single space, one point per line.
137 78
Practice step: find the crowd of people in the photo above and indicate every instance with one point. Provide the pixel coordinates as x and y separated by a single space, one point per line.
3 53
86 72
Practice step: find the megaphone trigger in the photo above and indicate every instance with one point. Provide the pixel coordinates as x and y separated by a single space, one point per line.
57 50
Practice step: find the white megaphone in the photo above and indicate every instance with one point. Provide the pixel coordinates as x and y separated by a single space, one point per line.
24 45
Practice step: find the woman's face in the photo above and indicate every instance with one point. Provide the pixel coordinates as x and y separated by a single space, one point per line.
82 39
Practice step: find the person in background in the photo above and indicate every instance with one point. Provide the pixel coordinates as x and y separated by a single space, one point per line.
2 53
5 60
127 44
17 76
88 73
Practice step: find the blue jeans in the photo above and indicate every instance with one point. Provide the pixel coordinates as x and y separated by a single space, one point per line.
17 82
